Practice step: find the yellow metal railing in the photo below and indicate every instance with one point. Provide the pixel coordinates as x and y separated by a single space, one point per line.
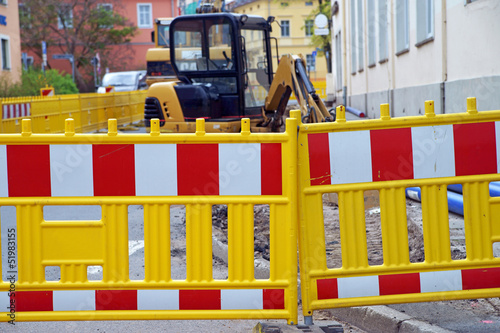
89 111
114 171
390 155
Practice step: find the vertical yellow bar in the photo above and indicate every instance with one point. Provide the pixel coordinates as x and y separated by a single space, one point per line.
157 243
75 273
29 244
476 221
394 226
435 222
199 242
352 229
240 242
116 264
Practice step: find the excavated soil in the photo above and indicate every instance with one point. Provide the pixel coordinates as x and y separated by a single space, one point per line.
332 233
261 228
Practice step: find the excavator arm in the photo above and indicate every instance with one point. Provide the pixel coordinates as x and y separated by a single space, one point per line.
291 76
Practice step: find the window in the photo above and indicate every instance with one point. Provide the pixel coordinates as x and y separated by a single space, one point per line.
144 15
309 28
107 8
357 39
360 36
402 30
311 63
425 21
285 28
3 2
64 16
5 50
338 60
372 33
353 37
382 31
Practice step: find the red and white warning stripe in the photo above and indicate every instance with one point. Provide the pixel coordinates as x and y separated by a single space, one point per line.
404 153
140 170
47 92
18 110
395 284
92 300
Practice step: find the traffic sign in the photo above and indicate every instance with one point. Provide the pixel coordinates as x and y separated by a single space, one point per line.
62 56
321 32
321 21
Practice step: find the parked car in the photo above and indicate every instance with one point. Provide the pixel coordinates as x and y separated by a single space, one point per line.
124 81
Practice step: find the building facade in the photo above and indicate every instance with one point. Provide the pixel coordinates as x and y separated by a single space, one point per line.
140 14
293 31
10 42
404 52
143 14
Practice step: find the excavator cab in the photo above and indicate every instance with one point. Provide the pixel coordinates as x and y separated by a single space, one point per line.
224 61
224 67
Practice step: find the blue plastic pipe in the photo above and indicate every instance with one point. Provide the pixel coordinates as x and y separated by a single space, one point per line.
455 200
354 111
494 188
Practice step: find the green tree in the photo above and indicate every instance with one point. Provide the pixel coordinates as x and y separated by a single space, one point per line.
78 27
323 42
33 80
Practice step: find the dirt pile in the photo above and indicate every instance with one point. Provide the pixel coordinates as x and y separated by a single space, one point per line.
261 228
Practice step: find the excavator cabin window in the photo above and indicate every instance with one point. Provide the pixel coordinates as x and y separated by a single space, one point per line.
256 77
204 45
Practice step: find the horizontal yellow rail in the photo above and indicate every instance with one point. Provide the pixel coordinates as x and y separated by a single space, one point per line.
89 111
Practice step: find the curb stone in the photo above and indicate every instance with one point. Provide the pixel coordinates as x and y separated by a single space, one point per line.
383 319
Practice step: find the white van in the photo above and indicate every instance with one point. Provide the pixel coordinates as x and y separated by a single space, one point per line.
124 81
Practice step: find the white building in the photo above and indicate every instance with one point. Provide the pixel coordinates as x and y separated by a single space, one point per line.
404 52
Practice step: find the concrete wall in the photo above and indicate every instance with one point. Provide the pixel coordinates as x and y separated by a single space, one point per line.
485 89
410 101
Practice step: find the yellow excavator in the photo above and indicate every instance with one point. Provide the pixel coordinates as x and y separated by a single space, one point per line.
224 68
159 67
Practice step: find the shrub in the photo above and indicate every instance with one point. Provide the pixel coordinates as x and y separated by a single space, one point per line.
33 80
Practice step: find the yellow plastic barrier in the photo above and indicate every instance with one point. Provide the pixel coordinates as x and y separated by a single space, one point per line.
320 90
115 170
90 111
390 155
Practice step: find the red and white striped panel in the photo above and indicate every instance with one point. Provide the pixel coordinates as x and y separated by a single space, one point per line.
47 92
92 300
16 110
404 153
140 170
395 284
